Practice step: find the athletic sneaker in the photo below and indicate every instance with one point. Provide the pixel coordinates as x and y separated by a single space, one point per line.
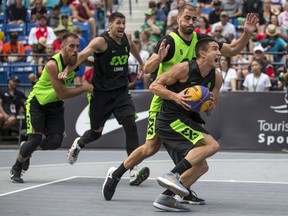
15 175
137 176
73 152
191 199
26 163
110 184
171 182
168 203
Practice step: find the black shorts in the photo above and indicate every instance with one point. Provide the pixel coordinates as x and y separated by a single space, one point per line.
103 104
45 119
179 135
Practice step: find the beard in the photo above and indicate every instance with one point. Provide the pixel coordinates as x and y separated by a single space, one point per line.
73 60
187 31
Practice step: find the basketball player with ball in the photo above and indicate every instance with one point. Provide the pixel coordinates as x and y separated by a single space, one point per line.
186 89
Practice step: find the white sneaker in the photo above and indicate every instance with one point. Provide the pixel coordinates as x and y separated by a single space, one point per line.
137 175
73 152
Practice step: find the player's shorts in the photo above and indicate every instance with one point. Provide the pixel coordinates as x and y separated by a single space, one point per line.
45 119
151 127
105 103
179 136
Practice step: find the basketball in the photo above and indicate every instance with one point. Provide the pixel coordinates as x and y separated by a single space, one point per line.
199 98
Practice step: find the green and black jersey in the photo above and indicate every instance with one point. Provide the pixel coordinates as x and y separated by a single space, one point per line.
111 66
180 50
43 89
170 108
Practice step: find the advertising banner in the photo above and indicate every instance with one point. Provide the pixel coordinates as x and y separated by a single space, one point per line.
242 121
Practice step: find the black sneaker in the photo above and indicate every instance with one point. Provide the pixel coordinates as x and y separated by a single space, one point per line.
110 184
15 175
25 165
191 199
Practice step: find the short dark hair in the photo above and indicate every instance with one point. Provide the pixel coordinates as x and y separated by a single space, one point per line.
67 35
186 6
203 44
115 15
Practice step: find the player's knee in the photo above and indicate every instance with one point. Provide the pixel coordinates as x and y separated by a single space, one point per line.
151 147
89 136
215 147
34 140
53 141
204 167
129 124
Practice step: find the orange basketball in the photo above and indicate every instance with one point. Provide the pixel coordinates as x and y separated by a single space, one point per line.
199 98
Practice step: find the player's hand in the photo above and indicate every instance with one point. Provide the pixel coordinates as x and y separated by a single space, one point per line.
63 74
140 71
251 22
212 104
162 52
181 98
88 88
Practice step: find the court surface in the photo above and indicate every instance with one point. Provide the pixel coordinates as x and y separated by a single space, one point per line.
237 184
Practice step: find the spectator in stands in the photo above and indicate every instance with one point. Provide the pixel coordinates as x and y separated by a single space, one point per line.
229 29
264 16
282 30
84 12
59 32
274 43
88 75
53 18
214 15
205 3
283 17
218 35
174 11
2 39
38 10
159 13
78 79
42 30
16 13
66 7
203 26
256 81
251 6
11 103
155 27
229 75
240 64
13 49
145 43
32 3
65 21
33 77
164 5
38 48
133 66
233 8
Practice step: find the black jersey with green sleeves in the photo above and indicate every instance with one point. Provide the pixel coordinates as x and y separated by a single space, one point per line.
195 78
111 66
170 40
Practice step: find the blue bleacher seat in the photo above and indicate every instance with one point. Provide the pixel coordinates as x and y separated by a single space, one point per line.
22 70
29 26
85 30
21 38
4 73
20 28
2 17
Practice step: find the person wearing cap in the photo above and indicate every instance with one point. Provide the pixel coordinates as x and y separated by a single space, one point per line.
229 29
42 30
155 27
16 13
66 21
38 10
45 106
282 30
11 103
13 49
273 43
54 16
159 12
174 48
214 15
60 30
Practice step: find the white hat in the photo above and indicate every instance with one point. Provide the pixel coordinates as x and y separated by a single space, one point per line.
258 48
